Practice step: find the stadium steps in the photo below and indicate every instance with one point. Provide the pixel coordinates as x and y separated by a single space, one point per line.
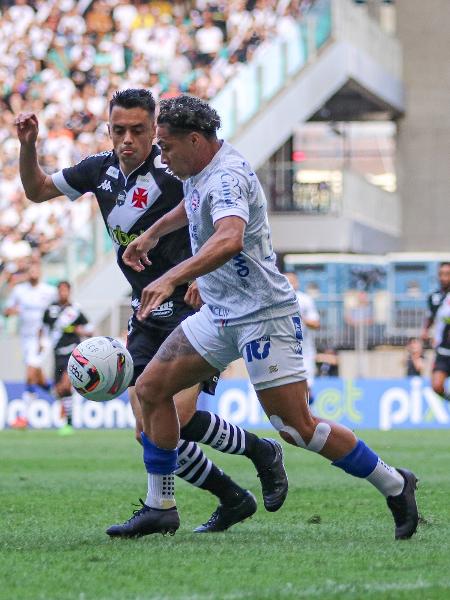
343 55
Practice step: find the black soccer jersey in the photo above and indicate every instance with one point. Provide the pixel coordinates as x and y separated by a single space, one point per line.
62 319
434 302
130 205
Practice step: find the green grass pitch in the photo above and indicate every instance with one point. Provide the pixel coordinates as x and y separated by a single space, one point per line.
332 539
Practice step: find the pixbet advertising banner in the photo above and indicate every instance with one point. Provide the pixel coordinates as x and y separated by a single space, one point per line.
357 403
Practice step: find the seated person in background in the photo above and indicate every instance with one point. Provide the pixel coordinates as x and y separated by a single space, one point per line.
327 362
415 360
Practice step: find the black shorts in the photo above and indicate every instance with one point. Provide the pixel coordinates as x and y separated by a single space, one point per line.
61 361
144 342
442 363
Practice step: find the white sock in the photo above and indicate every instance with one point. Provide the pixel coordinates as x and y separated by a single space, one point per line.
67 404
386 479
161 491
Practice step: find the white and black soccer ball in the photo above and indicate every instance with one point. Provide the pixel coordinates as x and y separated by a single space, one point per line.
100 368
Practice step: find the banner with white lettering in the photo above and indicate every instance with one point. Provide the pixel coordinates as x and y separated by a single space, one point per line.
357 403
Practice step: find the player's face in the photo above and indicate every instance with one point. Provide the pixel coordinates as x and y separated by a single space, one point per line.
444 276
177 151
63 293
132 131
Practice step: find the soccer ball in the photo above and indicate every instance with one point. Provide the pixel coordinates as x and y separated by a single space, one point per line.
100 368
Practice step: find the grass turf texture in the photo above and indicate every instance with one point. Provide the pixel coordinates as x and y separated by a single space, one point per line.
332 539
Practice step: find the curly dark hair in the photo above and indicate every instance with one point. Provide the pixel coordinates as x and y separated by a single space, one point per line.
188 113
133 98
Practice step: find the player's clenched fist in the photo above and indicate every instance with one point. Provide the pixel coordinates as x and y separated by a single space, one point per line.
27 128
136 253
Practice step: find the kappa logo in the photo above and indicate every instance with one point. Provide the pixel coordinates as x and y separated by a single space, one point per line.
140 197
105 185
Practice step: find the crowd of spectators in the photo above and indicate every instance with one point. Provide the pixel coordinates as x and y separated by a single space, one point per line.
62 59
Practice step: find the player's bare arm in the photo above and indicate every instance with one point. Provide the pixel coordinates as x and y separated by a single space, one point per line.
38 186
226 242
136 254
311 323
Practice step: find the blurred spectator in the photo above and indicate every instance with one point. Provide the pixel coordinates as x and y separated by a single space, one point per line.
415 359
63 64
327 361
310 323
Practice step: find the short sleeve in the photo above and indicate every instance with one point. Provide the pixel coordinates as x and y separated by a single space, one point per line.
46 318
228 197
12 300
75 181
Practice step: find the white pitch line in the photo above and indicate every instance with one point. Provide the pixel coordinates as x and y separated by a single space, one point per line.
330 589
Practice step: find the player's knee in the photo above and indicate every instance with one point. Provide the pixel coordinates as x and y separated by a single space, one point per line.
148 391
312 434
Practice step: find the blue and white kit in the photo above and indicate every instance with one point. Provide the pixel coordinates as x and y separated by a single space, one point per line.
251 310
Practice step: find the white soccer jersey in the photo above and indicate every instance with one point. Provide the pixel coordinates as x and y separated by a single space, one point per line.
308 311
31 300
249 287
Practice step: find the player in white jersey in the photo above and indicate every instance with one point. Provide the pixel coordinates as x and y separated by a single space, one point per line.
311 322
250 311
28 301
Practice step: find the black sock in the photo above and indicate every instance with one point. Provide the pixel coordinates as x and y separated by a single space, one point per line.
210 429
222 486
196 468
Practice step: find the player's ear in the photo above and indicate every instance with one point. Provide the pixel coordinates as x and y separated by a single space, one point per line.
108 125
195 138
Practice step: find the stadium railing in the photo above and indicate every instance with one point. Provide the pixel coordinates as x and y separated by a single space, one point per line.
270 70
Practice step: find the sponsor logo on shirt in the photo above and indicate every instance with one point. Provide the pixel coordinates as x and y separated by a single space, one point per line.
231 189
164 310
240 265
113 172
298 328
105 185
140 197
219 311
121 198
121 238
258 349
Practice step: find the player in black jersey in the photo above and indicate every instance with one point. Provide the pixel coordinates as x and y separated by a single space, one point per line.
134 189
439 315
67 325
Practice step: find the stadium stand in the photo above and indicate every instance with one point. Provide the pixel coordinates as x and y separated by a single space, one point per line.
63 59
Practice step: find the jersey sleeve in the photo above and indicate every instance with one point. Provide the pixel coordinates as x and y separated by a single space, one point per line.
228 196
75 181
12 299
80 320
432 308
46 318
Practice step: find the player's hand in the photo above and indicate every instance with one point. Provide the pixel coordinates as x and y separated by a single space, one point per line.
193 297
154 295
27 128
136 253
